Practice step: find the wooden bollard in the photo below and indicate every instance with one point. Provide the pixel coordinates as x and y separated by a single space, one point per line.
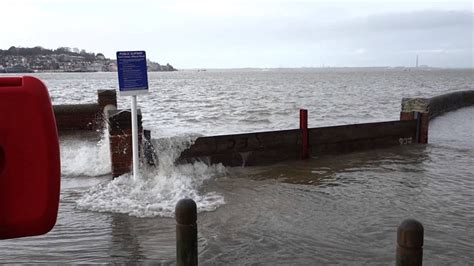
304 133
186 233
410 243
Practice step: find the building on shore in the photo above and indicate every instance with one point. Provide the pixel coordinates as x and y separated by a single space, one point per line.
38 59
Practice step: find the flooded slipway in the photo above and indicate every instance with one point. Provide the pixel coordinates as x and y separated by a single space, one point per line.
332 209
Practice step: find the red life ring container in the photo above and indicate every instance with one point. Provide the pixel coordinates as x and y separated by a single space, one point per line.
30 171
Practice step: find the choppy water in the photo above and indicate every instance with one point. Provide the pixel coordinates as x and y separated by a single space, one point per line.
333 209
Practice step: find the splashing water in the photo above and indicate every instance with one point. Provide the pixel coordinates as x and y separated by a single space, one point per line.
157 190
85 158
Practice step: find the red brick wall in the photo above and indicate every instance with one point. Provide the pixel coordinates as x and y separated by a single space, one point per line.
406 116
120 137
424 126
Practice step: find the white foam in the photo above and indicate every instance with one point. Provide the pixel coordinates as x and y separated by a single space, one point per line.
157 190
85 158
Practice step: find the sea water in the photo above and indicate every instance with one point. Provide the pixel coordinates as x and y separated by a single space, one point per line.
330 209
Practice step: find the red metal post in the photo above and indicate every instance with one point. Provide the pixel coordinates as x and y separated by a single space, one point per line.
304 133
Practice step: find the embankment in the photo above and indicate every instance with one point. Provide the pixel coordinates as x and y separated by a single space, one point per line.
262 147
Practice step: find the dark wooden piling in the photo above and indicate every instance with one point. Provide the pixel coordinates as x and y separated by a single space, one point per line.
410 243
186 233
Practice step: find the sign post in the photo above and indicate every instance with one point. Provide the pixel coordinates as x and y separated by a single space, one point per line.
133 81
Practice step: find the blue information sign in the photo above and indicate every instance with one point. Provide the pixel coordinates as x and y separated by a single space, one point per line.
132 72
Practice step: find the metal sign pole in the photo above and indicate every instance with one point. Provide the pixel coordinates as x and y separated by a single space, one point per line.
135 138
133 79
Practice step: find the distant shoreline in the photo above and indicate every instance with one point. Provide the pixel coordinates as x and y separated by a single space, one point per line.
324 68
204 70
62 60
60 71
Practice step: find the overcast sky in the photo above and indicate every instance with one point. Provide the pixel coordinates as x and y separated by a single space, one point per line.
253 33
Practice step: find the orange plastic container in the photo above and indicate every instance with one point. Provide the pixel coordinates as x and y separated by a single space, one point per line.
30 168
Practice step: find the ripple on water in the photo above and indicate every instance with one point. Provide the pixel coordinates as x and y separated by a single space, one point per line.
335 209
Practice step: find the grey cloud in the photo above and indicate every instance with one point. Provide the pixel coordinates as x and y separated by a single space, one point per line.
309 28
458 22
439 37
419 20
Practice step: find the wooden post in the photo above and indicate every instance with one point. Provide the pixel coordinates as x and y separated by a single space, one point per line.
304 133
410 243
186 233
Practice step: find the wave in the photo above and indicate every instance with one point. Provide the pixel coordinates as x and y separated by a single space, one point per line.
156 190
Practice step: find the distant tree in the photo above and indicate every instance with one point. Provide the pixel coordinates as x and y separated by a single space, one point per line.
61 50
64 50
12 50
62 54
37 50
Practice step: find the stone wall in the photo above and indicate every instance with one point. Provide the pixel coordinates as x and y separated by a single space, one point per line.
274 146
85 117
425 109
449 102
